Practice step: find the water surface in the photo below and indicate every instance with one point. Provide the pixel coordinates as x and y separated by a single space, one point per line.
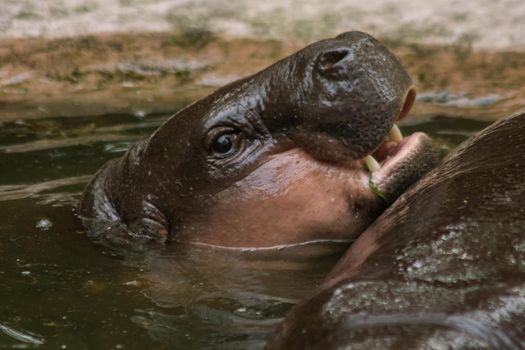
62 290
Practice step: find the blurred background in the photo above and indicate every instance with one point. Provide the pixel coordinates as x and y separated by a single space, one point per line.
82 80
480 23
467 54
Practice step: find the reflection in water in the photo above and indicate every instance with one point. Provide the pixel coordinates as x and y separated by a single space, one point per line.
56 283
12 192
205 296
21 336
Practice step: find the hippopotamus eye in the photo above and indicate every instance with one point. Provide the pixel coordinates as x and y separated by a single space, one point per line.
226 142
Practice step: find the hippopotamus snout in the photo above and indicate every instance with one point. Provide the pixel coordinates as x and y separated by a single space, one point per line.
357 90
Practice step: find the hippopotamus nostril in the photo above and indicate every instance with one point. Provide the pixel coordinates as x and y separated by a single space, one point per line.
331 61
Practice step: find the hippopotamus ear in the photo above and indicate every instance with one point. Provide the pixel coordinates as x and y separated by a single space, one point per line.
333 61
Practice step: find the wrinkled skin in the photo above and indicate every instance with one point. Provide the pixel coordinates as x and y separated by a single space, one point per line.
271 159
442 268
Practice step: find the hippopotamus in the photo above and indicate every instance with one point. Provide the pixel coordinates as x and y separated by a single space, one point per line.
304 150
442 268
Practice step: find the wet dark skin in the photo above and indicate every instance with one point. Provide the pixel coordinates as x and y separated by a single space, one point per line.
272 159
442 268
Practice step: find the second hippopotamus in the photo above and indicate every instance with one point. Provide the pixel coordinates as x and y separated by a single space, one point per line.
307 149
442 268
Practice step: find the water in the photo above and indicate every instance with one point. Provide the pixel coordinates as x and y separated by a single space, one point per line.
61 290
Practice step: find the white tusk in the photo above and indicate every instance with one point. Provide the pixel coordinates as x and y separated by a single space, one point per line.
395 134
372 164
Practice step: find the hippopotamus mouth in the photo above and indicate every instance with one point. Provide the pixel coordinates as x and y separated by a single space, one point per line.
398 161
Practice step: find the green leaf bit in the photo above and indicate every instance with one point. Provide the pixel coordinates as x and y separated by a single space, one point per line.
374 188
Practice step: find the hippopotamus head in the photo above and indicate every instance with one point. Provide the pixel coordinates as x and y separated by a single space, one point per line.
275 158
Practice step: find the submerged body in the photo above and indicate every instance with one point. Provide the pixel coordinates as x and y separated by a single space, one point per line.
272 159
443 267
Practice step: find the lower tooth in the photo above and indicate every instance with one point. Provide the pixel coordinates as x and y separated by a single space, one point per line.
395 134
372 163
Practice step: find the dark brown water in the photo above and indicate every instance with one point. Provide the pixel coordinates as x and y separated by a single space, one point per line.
61 290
